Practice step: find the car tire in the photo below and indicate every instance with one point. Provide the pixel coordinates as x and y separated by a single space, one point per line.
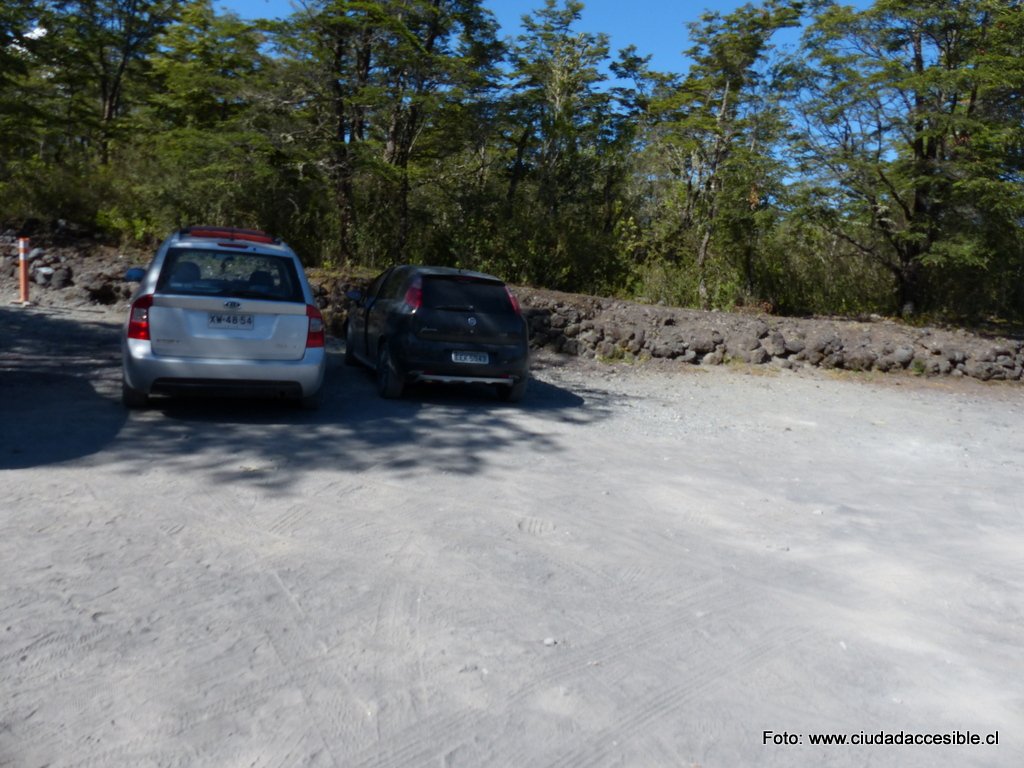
133 398
514 393
350 347
389 380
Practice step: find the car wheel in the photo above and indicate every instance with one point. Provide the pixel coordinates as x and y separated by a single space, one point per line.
350 347
389 381
133 398
514 393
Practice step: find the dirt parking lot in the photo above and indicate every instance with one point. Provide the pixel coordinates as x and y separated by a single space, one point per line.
656 566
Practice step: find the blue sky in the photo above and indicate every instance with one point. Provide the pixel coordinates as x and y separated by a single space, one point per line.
655 27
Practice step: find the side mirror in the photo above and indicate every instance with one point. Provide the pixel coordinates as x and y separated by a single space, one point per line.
134 275
354 294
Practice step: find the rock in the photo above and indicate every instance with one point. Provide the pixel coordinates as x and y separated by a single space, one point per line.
713 358
937 366
615 332
758 356
859 359
980 369
986 355
903 356
886 363
42 275
703 341
774 344
823 344
61 277
833 360
670 343
740 345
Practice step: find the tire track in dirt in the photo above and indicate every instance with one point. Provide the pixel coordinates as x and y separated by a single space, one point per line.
665 704
421 742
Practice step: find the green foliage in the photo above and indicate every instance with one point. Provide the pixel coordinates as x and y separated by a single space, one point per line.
881 165
914 121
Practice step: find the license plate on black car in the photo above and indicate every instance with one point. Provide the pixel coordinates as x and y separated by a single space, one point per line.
472 358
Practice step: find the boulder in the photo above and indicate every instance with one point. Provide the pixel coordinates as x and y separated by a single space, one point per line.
703 340
741 345
774 344
859 359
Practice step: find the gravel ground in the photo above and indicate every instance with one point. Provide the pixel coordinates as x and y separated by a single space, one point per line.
637 566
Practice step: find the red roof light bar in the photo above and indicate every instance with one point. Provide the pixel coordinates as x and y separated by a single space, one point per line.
230 233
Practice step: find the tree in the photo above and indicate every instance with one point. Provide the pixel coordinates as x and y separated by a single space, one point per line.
19 41
381 72
565 144
208 67
913 134
199 151
715 141
97 49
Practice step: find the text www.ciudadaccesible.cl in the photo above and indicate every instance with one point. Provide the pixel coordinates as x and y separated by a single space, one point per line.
880 738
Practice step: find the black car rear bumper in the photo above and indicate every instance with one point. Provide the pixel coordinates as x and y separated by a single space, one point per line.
420 360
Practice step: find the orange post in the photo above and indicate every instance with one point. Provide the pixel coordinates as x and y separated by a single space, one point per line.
23 268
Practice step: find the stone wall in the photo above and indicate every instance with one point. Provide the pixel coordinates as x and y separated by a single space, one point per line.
601 328
617 330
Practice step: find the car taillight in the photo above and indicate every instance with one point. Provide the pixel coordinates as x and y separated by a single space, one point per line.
515 302
315 334
138 320
414 295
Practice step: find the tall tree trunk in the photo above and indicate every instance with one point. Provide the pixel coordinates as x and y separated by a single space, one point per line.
703 252
343 171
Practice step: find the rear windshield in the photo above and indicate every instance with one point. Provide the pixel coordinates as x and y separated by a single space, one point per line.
197 272
460 294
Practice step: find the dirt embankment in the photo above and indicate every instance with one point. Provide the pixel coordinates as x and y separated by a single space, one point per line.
82 273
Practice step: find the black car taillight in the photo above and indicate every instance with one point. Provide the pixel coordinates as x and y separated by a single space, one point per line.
414 295
138 319
514 301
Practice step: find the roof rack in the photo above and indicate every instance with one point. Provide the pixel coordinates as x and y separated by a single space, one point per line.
230 233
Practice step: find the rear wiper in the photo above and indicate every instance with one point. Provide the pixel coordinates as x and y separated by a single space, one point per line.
456 307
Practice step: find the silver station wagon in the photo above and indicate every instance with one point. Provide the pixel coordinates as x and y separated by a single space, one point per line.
221 310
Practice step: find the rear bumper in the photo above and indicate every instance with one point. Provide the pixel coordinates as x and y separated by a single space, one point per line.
154 374
432 361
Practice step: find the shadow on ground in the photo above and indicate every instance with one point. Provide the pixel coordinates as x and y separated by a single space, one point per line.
58 380
61 387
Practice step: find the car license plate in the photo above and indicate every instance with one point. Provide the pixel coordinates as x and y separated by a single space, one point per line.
473 358
230 320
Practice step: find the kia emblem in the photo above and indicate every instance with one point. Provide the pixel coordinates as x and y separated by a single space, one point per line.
232 304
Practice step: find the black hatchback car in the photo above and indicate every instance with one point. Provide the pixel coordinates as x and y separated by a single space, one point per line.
438 324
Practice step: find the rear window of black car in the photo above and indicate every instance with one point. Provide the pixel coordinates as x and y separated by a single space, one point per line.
460 294
197 272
